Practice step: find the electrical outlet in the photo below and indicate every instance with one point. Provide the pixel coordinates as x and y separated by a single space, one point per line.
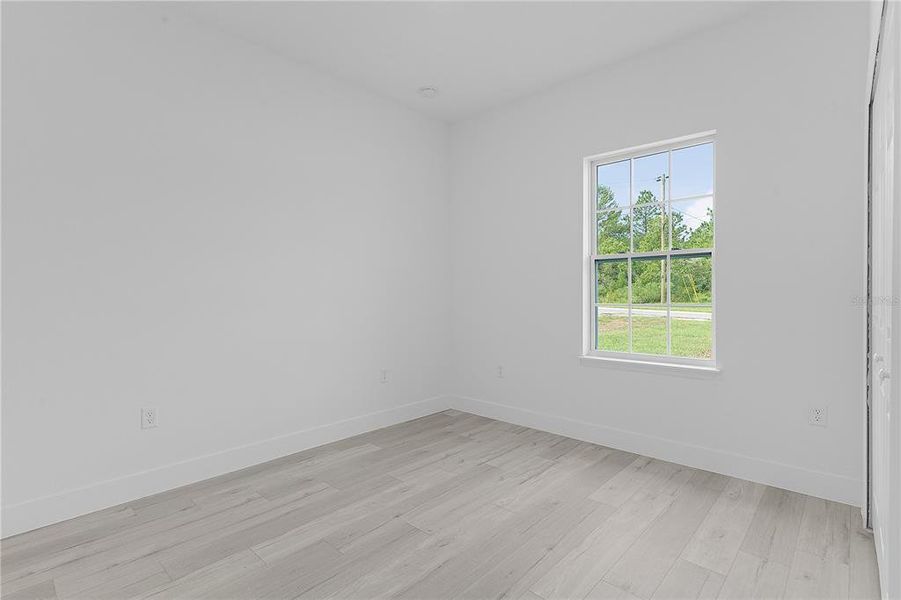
149 417
818 416
500 372
384 378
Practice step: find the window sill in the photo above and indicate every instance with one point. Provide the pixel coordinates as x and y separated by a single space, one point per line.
701 371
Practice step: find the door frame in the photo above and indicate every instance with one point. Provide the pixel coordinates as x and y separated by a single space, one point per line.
887 535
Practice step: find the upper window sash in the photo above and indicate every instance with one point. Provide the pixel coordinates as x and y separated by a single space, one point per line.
666 204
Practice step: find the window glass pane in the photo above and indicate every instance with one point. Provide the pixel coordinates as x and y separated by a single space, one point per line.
613 231
692 171
693 223
649 281
613 328
649 330
613 184
649 305
691 280
612 281
650 177
650 228
691 330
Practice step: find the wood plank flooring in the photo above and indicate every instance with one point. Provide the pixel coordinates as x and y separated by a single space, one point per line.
454 505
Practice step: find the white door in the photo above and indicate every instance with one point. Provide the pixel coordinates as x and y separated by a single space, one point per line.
886 323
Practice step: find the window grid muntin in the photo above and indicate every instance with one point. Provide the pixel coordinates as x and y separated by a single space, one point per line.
667 253
668 208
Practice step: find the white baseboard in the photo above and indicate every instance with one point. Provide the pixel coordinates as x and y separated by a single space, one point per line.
31 514
798 479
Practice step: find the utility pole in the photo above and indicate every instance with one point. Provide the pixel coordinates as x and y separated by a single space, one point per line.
662 207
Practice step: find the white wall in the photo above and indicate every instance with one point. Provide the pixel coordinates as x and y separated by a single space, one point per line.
784 88
194 224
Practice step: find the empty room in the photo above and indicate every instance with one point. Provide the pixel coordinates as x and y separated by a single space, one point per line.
434 299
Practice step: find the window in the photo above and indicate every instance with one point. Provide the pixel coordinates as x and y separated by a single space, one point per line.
650 253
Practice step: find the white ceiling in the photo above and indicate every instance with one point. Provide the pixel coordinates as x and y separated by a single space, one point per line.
478 54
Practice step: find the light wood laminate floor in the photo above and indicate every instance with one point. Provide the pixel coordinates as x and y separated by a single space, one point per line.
454 506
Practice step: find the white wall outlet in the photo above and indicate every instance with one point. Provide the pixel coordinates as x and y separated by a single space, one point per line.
818 416
149 417
384 377
500 372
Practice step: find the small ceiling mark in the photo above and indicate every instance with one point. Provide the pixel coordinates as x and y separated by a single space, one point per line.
428 92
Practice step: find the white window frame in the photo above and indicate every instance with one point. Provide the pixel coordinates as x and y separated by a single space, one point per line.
589 253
